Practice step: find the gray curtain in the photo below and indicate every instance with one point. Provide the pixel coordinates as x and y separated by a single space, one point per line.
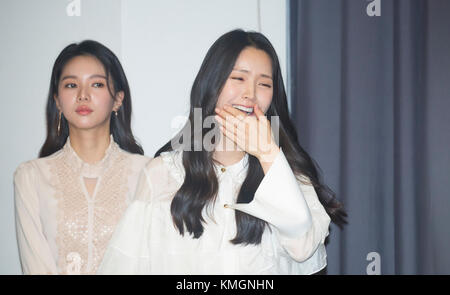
370 97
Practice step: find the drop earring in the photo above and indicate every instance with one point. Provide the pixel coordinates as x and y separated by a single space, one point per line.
59 124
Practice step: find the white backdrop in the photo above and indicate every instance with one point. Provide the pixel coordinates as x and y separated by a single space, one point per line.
161 45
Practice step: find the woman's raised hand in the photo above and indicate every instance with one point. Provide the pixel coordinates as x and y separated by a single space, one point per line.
252 133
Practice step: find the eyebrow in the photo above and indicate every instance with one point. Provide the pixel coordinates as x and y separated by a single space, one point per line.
74 77
247 71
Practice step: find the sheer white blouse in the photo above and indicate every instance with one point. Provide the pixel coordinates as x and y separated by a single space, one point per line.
61 228
147 242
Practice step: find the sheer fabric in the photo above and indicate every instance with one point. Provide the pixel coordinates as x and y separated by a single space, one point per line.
67 210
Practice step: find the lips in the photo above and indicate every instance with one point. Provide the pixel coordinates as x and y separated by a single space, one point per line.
83 110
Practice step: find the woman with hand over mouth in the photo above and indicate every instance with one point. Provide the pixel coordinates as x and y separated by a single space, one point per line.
237 197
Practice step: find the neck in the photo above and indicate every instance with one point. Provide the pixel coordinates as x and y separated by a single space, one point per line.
227 152
90 145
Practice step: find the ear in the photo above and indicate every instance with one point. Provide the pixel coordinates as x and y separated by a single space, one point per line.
118 100
57 102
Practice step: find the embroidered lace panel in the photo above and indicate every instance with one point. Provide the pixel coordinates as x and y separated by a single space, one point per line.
86 223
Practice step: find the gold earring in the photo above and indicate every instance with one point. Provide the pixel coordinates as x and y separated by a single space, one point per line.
59 124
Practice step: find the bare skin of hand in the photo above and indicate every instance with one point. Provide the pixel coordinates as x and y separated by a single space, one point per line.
251 133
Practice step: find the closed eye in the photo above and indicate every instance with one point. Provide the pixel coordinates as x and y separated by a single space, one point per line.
266 85
237 78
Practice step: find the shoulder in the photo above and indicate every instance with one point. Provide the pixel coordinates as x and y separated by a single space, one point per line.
162 176
137 159
36 165
30 169
24 169
168 164
26 174
55 156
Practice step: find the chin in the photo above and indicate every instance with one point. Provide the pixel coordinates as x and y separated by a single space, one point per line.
88 124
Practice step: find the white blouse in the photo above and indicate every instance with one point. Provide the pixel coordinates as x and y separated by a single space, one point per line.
147 242
61 228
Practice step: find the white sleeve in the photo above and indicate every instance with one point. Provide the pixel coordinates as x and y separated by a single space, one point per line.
291 208
127 251
34 251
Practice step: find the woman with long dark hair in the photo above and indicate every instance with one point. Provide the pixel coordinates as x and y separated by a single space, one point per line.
69 200
244 198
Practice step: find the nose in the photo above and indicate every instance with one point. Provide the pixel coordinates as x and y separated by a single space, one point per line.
83 95
249 92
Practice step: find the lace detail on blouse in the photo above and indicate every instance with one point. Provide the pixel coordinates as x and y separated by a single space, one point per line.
85 223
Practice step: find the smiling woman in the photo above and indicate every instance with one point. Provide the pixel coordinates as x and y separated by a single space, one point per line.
69 200
247 207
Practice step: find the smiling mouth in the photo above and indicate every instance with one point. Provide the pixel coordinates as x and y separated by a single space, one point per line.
247 110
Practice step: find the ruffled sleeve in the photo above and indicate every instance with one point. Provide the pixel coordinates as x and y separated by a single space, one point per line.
291 208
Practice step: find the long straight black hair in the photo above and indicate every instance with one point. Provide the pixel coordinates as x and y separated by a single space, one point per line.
200 185
120 126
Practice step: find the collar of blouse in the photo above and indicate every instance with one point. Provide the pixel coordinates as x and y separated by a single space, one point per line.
236 170
90 170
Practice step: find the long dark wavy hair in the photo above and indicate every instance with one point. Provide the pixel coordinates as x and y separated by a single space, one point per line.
120 126
200 185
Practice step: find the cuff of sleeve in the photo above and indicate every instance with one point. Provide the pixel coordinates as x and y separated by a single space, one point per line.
280 201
